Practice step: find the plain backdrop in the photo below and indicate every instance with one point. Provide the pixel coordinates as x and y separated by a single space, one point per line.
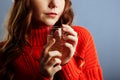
102 19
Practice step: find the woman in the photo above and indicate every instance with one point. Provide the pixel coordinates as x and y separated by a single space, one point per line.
28 53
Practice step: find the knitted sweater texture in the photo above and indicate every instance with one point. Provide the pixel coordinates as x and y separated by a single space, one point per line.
84 65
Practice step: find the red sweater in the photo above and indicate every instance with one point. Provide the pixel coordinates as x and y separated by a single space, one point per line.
83 66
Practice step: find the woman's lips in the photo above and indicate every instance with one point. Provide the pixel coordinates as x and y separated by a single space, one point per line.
51 14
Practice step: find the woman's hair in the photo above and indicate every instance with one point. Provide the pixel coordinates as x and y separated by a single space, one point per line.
18 29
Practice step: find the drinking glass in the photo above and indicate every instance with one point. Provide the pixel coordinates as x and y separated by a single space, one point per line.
56 32
59 35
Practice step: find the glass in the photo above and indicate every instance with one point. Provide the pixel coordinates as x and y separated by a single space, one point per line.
59 35
56 32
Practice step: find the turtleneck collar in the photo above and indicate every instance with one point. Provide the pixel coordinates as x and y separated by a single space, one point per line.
39 36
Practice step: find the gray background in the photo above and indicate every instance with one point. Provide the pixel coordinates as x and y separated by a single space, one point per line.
102 18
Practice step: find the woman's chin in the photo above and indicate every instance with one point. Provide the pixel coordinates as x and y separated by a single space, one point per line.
50 22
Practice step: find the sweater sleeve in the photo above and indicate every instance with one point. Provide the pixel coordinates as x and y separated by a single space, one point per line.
91 69
85 64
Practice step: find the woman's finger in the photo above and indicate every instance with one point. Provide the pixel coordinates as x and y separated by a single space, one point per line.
70 47
57 68
49 45
45 50
54 62
69 30
52 54
73 40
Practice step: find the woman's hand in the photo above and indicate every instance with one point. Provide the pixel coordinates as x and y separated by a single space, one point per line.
71 40
54 54
50 62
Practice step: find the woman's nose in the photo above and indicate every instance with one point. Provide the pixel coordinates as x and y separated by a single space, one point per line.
53 4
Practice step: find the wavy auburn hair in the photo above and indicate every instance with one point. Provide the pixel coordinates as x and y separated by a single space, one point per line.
18 29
